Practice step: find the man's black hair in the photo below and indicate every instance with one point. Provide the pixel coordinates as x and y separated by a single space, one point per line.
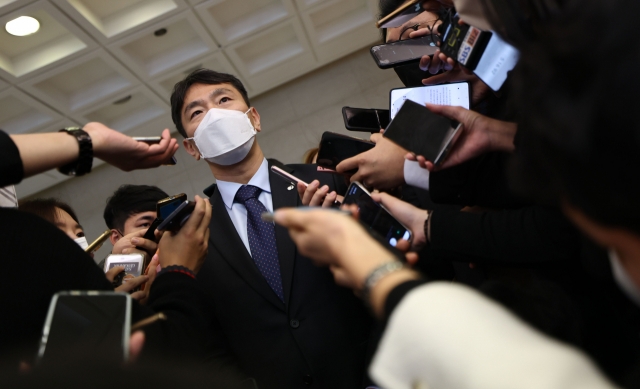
46 209
129 200
200 76
579 132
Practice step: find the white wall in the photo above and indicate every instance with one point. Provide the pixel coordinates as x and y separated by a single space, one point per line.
293 117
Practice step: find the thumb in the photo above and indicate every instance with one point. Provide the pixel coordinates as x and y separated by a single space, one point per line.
456 113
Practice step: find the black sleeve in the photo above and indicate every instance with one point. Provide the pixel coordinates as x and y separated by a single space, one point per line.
397 294
481 181
11 169
529 235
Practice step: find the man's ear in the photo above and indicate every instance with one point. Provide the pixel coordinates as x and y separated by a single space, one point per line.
191 149
255 118
115 236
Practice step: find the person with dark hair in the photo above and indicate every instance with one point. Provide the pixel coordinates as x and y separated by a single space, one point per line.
128 214
279 319
41 260
62 216
59 214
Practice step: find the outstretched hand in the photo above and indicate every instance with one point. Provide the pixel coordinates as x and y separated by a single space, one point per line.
126 153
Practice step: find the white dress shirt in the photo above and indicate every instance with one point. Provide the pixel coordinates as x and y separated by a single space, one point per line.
238 212
443 335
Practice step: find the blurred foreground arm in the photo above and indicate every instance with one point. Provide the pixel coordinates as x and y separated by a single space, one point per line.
449 336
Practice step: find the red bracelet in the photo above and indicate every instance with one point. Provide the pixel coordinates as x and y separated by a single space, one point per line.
178 269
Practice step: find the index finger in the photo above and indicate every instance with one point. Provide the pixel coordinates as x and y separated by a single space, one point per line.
197 215
348 164
290 218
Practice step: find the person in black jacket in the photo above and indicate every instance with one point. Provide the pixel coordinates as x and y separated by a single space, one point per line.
279 319
41 260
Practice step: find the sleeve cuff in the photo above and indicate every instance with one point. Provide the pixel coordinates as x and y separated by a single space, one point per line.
178 269
416 176
397 294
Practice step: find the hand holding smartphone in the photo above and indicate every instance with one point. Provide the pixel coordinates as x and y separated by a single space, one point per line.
177 218
335 148
154 140
87 324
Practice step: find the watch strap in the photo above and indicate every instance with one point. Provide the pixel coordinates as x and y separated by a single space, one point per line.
84 163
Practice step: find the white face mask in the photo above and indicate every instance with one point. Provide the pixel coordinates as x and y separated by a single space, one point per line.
472 13
224 136
82 242
622 279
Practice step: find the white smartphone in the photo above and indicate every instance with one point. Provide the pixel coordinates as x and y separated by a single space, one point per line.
447 94
287 176
89 324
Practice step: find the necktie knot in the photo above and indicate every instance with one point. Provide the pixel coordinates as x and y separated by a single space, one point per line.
247 192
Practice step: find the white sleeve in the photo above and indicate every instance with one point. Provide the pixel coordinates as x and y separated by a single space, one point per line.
416 176
448 336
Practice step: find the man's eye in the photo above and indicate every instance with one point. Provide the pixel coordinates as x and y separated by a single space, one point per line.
224 100
196 112
80 234
145 225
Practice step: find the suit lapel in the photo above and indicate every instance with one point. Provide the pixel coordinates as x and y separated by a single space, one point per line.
283 197
225 240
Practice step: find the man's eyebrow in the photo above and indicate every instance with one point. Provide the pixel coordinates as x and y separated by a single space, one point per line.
212 95
146 217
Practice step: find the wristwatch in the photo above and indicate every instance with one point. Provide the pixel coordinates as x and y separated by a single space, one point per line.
83 164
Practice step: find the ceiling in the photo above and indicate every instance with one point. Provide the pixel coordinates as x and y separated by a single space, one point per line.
116 61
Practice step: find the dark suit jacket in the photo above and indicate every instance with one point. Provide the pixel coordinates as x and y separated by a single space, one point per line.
318 337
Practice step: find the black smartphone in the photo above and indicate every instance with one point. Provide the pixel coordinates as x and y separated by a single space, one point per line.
375 216
164 208
365 120
423 132
335 148
87 324
176 220
403 52
463 43
402 14
153 140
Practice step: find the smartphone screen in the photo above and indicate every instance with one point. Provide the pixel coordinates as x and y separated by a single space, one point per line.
95 324
400 52
375 216
362 119
448 94
167 209
335 148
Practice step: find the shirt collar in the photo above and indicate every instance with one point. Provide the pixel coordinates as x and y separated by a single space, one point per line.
260 179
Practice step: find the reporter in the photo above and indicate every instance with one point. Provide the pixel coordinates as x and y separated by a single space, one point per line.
442 346
54 263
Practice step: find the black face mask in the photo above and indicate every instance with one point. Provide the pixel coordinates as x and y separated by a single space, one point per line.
411 75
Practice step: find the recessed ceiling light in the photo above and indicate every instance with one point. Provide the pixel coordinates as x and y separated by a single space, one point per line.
23 25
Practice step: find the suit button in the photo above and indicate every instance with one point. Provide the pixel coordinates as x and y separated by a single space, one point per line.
308 380
294 323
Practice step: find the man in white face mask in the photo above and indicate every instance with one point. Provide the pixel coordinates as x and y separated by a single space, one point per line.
283 321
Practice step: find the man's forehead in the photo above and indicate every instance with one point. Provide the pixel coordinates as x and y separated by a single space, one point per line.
196 91
142 216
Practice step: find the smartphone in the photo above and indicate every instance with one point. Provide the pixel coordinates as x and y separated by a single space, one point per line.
96 244
176 220
335 148
423 132
152 140
166 206
462 42
402 14
287 176
87 324
365 120
375 216
134 266
456 94
403 52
